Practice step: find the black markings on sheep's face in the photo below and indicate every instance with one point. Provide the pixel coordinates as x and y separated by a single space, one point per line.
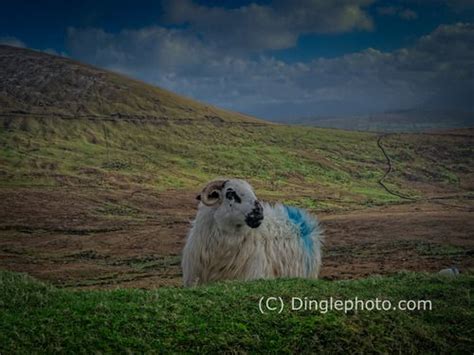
238 209
232 195
255 217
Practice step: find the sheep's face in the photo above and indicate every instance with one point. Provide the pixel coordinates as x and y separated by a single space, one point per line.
235 204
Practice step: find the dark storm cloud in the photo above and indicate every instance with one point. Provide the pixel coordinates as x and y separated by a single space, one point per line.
235 69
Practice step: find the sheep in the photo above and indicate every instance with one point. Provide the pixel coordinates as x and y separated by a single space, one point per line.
236 237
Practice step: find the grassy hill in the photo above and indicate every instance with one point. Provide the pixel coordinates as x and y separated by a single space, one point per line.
68 124
98 174
306 165
40 84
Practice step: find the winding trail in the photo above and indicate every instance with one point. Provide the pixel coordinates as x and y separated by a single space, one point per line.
435 199
389 169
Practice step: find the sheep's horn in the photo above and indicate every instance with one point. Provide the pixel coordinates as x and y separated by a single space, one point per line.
211 194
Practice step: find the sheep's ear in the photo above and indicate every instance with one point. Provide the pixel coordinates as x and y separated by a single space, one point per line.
198 197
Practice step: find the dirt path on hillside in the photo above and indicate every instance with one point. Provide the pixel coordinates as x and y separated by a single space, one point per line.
441 199
74 239
389 170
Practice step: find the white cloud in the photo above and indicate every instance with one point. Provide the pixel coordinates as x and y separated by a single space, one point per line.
437 68
408 14
15 42
12 41
53 51
460 5
275 26
403 13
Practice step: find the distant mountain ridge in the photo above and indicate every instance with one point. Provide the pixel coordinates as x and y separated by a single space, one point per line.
393 121
42 84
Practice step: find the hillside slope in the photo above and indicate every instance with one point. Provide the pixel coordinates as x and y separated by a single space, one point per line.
43 84
98 174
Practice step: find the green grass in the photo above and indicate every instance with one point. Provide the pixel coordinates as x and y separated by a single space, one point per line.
140 136
321 169
36 317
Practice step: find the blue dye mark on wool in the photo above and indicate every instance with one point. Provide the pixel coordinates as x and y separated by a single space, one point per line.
306 226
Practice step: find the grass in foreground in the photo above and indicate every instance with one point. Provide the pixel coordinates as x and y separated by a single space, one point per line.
39 318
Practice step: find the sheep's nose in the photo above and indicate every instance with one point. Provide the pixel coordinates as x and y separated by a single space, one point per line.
255 217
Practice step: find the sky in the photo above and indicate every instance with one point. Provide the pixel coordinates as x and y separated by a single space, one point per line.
271 59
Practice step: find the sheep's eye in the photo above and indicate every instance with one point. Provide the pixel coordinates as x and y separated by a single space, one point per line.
214 194
232 195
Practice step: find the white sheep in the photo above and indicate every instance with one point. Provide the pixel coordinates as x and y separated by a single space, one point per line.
235 237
